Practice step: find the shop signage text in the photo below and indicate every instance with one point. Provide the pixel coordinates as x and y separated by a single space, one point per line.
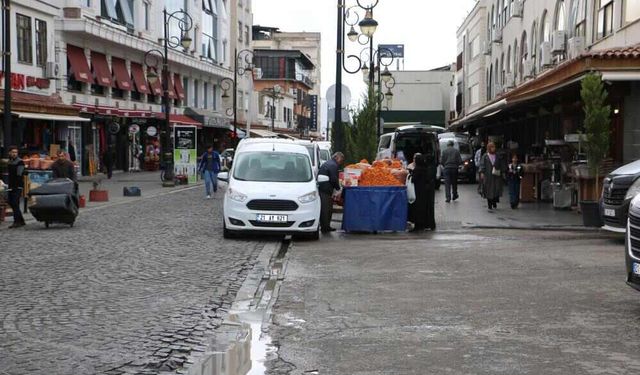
21 81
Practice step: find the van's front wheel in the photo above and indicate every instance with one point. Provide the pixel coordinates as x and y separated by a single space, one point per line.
228 234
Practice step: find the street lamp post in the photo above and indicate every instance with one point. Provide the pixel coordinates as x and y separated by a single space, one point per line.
243 64
6 56
151 59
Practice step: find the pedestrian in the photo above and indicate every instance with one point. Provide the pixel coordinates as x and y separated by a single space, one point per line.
63 168
423 176
16 186
107 159
492 169
209 168
451 161
326 189
515 171
479 152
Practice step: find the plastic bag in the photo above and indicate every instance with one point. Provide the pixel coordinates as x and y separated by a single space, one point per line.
411 190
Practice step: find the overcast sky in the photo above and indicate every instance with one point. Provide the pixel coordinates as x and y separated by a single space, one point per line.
427 28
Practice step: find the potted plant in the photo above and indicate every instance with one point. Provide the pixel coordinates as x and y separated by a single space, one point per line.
596 142
98 195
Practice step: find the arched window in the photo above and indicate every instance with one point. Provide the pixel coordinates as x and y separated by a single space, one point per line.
511 6
514 63
524 53
502 69
508 67
505 12
534 45
560 16
496 75
489 82
578 20
545 35
499 14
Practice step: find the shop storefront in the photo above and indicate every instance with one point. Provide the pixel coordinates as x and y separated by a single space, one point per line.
216 129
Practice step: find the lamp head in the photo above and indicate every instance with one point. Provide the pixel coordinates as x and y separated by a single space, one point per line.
365 71
368 25
186 40
352 34
152 76
389 96
386 75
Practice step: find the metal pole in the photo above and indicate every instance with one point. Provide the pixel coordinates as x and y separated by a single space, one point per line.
168 150
338 135
273 113
235 95
372 70
6 117
378 96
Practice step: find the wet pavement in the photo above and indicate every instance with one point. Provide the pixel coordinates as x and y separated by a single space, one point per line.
478 302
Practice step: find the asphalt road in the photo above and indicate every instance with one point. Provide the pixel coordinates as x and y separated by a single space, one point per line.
474 302
132 288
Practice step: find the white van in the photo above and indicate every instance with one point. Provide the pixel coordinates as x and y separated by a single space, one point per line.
325 151
271 189
314 154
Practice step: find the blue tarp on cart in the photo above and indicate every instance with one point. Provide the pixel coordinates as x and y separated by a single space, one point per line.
375 209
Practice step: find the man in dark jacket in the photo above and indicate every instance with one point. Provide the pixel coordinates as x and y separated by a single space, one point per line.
451 161
210 167
63 168
16 185
330 169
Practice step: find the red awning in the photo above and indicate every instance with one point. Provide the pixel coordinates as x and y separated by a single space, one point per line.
183 120
171 88
138 78
177 83
101 69
122 77
79 65
156 87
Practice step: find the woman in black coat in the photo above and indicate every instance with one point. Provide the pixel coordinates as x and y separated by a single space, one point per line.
423 176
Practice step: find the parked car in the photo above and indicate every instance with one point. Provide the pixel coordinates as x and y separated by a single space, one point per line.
325 151
314 154
271 189
632 241
619 188
466 171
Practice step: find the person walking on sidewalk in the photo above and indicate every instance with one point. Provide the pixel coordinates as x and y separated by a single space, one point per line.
210 167
330 169
492 169
16 185
451 161
63 168
108 158
515 171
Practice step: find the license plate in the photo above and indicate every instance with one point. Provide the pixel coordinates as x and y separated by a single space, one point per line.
636 269
609 212
272 218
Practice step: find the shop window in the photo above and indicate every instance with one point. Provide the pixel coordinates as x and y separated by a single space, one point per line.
41 42
605 18
25 48
631 10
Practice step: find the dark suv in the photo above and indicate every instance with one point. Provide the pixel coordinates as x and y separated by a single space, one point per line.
619 188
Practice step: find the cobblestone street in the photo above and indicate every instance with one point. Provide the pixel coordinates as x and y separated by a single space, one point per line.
132 288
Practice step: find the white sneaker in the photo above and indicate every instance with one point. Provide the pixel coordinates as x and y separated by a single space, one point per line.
208 197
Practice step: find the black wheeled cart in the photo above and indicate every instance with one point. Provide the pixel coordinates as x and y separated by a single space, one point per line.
55 201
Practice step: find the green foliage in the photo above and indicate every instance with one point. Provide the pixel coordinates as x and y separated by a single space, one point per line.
362 138
597 120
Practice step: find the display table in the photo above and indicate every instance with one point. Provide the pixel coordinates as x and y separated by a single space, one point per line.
375 209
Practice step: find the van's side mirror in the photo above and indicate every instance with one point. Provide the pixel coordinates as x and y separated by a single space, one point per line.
323 178
223 176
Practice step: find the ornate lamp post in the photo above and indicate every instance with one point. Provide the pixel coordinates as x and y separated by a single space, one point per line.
243 64
152 59
275 94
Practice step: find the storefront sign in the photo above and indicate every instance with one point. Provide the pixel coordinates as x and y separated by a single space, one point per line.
21 82
185 156
134 129
152 131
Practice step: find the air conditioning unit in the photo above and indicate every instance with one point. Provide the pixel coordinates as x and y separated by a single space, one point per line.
486 48
497 35
510 81
559 41
528 69
545 54
518 8
576 46
52 70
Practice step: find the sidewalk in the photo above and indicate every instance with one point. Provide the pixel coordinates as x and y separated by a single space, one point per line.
148 182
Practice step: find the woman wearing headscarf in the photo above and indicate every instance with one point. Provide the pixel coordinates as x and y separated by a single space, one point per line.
492 170
423 176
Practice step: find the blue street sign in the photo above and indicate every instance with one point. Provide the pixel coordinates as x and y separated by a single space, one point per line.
387 49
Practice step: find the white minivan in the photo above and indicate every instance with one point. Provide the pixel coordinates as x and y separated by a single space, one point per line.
271 189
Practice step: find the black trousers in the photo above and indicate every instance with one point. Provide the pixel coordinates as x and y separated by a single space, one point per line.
14 202
450 183
326 211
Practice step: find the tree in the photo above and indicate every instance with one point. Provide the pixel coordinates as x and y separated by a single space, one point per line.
362 139
596 122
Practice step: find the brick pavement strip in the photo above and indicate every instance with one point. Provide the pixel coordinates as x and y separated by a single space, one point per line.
132 288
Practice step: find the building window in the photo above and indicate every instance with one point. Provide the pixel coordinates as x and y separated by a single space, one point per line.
25 49
474 95
534 45
560 16
247 35
196 89
41 43
240 31
631 10
205 89
146 15
210 29
118 11
214 96
524 53
505 12
579 18
605 18
185 85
